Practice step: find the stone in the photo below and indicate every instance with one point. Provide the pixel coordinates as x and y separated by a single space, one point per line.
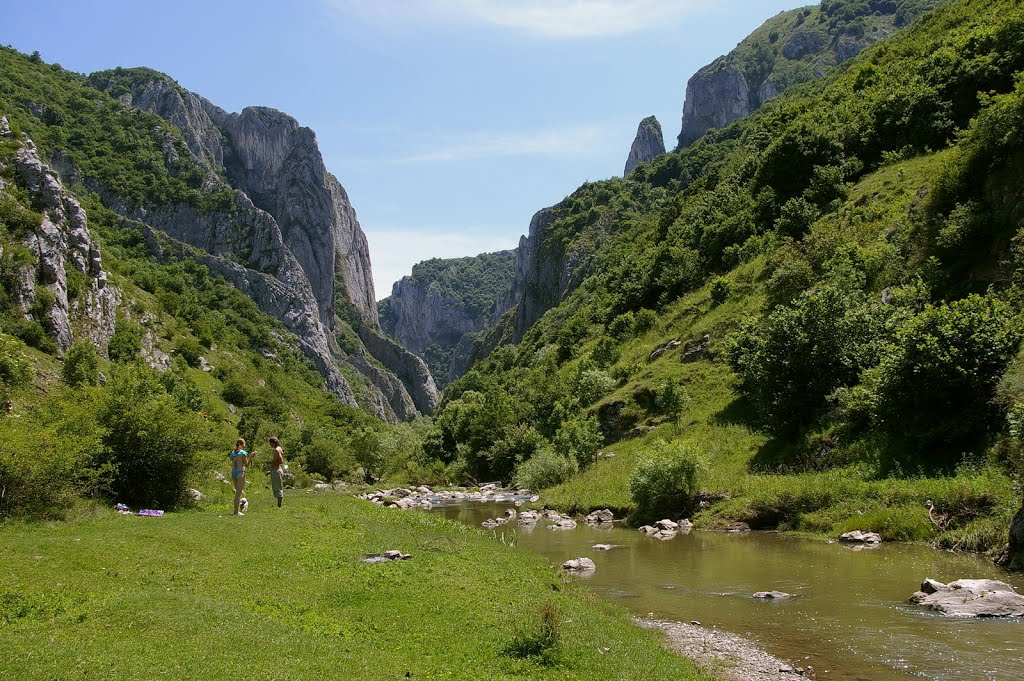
196 495
647 529
602 516
323 487
772 595
647 145
604 547
859 537
563 524
204 365
579 565
803 43
695 351
970 598
665 535
1013 556
662 349
666 524
716 95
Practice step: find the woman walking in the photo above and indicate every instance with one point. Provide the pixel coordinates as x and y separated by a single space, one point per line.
239 461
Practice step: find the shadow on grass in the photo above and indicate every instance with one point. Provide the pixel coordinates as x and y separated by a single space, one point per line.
778 455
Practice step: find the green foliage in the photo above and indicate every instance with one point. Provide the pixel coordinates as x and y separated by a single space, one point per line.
541 645
580 439
150 442
81 364
545 469
126 343
15 369
720 289
666 481
188 349
935 385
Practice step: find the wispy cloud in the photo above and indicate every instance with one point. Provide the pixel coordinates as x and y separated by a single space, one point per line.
395 251
544 18
557 142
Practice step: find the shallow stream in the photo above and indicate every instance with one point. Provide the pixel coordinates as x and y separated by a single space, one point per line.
849 617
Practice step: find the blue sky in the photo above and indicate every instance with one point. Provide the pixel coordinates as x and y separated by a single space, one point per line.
449 122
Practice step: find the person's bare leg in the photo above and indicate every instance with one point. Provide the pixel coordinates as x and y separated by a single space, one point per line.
239 486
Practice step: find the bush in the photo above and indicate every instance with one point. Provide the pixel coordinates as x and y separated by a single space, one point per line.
81 364
665 481
189 349
151 444
934 389
720 289
238 392
126 343
545 469
579 438
644 321
14 367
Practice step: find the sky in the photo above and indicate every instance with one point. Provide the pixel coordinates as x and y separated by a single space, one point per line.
449 122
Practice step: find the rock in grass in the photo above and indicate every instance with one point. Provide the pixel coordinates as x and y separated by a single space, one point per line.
858 537
579 565
970 598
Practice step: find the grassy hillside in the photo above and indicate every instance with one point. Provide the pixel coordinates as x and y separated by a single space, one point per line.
851 252
283 594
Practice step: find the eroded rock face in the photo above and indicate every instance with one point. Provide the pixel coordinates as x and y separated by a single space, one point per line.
61 244
648 143
716 96
291 242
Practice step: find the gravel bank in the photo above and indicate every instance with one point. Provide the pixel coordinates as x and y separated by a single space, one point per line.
730 656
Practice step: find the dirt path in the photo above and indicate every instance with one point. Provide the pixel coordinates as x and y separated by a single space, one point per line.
727 655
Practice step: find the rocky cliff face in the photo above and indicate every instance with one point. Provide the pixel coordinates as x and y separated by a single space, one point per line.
292 237
60 245
789 49
648 143
438 310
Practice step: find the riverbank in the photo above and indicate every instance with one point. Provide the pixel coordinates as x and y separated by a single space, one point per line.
285 594
724 654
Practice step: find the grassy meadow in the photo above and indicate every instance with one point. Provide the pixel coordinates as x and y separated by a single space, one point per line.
282 594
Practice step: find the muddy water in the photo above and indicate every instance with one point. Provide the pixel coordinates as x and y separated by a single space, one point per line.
849 618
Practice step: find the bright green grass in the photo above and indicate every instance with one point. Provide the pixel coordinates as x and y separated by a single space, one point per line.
281 594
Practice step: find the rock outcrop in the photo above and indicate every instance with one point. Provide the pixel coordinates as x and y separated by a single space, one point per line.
290 240
648 143
970 598
791 48
62 244
440 309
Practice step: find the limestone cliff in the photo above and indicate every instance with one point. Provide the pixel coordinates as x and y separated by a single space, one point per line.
291 239
61 245
648 143
791 48
443 303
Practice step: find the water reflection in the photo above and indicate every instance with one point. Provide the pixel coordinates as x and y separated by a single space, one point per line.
848 616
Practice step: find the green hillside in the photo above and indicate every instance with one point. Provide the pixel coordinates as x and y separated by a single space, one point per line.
78 425
850 253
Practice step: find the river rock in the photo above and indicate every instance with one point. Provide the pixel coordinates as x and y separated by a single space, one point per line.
647 529
563 524
858 537
667 524
970 598
604 547
772 595
665 535
579 565
603 516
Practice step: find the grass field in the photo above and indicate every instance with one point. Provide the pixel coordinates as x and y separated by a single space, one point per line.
282 594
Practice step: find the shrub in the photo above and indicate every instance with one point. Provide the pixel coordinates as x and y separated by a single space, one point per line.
665 481
81 364
126 343
545 469
644 321
541 645
579 438
189 349
14 367
238 392
720 289
150 442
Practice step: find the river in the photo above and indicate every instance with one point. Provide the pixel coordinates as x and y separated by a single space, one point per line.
849 617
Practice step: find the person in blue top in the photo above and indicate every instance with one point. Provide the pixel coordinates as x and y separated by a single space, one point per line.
239 461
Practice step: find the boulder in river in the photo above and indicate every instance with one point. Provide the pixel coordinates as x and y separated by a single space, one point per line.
858 537
563 524
772 595
666 525
579 565
602 516
604 547
970 598
647 529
